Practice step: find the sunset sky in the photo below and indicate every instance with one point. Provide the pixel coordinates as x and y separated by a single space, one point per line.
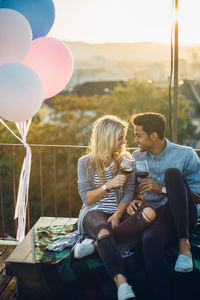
100 21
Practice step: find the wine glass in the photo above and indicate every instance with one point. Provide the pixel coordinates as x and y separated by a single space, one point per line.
126 167
142 170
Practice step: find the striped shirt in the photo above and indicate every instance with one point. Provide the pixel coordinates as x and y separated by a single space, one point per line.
107 203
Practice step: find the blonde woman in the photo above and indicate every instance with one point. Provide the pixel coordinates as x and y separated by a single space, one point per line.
106 193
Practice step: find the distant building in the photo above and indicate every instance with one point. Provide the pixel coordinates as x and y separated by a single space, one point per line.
191 90
99 88
158 72
195 69
182 69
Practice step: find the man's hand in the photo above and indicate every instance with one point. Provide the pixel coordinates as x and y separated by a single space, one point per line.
133 206
148 185
114 221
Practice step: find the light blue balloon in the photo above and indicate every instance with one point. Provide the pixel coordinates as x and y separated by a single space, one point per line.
21 92
39 13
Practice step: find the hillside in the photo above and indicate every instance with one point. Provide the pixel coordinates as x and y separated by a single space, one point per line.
122 61
142 52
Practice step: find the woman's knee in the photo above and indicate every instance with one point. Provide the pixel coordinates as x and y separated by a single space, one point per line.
149 214
103 232
103 229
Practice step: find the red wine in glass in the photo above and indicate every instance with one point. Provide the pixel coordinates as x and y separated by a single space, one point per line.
142 174
142 169
126 166
126 171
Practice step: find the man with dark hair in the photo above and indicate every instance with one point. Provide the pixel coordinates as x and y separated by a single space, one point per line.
151 122
173 189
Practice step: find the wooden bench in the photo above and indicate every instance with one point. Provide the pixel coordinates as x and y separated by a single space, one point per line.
21 263
87 279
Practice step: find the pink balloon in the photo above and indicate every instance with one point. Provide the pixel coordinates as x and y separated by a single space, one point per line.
52 61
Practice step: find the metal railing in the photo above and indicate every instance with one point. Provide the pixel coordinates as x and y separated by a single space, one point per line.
53 183
66 156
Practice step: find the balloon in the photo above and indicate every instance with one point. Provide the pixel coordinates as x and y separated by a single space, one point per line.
39 13
52 61
15 36
21 92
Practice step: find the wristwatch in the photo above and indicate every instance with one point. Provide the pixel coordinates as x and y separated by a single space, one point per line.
164 190
104 187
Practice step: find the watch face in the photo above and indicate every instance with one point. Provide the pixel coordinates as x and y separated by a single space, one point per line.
164 190
104 187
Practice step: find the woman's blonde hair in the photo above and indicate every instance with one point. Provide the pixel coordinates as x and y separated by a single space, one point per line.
103 139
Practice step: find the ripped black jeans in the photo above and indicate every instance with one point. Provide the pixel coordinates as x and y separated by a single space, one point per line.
107 245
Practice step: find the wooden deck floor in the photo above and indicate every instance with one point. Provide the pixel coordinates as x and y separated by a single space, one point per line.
7 283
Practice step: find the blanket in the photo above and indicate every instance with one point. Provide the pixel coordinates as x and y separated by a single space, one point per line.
44 236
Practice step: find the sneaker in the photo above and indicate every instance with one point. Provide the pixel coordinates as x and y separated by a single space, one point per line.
84 249
125 292
183 264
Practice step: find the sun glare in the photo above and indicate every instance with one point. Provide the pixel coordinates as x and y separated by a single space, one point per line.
99 21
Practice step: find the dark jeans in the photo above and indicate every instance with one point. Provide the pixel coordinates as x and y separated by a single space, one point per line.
108 250
174 220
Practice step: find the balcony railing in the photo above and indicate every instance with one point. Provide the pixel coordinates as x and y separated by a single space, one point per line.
53 183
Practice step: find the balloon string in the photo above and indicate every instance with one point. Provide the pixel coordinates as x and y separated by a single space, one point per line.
22 196
10 130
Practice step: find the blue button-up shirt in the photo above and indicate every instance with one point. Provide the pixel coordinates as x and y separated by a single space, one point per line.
173 156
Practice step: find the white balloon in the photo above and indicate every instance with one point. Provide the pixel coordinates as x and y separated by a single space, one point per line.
15 36
21 92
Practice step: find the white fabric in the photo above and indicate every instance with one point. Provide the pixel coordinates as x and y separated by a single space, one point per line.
67 241
22 196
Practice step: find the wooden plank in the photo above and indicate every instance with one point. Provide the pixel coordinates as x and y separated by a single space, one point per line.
23 250
4 280
10 290
7 289
5 251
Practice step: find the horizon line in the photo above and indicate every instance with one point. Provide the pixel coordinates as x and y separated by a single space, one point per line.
139 42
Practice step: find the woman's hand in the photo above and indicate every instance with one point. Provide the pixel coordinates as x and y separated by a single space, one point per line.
96 194
133 206
114 221
117 181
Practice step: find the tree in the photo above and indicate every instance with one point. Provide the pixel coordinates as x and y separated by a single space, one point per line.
68 121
